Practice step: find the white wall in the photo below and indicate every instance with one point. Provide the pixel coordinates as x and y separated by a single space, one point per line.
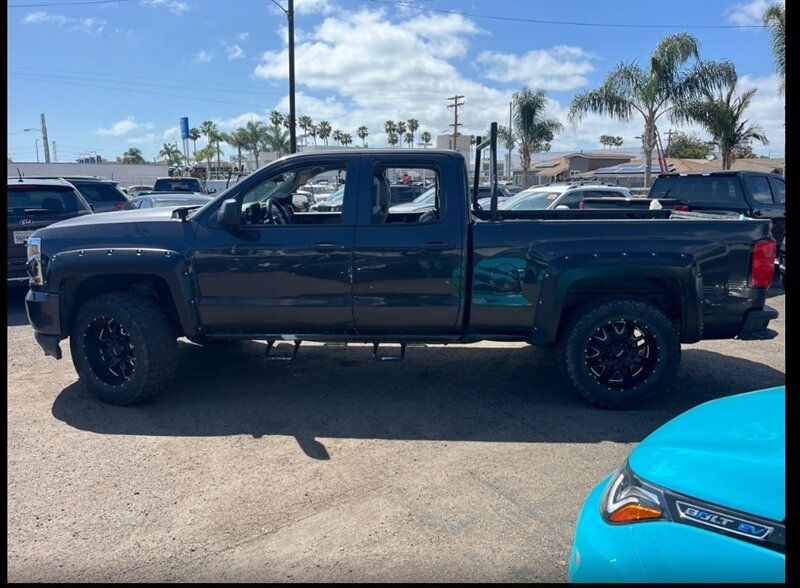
126 175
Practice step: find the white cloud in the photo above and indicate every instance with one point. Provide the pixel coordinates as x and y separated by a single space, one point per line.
363 68
313 7
122 127
234 51
767 110
174 6
242 36
558 68
749 14
204 56
88 25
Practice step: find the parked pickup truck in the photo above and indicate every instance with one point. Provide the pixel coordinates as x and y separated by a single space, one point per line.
616 297
749 193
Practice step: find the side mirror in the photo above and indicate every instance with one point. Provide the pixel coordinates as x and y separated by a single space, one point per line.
228 213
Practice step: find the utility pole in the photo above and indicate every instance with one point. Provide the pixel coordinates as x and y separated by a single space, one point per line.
55 155
44 140
455 124
669 141
510 134
292 114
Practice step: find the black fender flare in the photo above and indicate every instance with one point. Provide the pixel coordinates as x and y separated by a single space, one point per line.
561 274
168 265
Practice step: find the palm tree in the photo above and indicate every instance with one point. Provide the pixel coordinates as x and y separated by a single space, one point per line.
305 123
409 138
277 119
171 153
324 130
276 139
401 130
133 155
239 140
509 140
775 18
194 135
722 116
413 125
425 137
312 130
654 91
534 132
390 127
362 133
206 153
209 129
255 132
346 139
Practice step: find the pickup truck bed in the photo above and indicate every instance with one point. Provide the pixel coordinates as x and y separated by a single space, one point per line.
615 296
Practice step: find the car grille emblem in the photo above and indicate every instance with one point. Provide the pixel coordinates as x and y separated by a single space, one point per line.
27 221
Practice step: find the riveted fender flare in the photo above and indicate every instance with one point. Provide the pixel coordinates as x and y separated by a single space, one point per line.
557 279
168 265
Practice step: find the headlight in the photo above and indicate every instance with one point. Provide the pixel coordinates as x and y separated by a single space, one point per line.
34 263
628 499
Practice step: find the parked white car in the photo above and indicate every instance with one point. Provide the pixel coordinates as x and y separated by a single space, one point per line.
552 196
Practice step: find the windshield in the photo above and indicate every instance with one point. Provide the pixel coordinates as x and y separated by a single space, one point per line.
336 197
427 197
177 185
531 200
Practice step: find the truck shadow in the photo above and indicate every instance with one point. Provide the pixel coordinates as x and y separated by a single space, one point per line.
440 394
15 304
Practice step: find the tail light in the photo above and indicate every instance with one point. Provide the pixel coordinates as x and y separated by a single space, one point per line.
582 205
762 264
120 205
681 207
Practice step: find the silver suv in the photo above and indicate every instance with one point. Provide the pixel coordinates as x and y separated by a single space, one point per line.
561 196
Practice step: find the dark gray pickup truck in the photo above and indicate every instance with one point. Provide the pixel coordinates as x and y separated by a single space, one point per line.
616 296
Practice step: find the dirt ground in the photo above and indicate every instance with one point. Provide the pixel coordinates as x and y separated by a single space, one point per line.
459 464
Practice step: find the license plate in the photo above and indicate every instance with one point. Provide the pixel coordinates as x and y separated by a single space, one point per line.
21 237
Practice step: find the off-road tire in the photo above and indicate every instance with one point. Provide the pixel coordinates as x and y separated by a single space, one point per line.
620 353
123 347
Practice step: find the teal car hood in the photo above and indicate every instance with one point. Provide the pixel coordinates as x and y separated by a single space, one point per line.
730 452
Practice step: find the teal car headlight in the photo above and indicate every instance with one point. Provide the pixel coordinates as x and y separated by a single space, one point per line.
627 499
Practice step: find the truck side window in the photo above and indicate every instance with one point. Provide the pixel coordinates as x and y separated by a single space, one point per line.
759 187
778 190
290 197
406 195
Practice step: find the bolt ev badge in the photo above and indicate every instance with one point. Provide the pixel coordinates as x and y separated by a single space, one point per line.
26 221
724 522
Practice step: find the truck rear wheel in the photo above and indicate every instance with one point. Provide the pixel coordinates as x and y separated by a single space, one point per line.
620 353
123 347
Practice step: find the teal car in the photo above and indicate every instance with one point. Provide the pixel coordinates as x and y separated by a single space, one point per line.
701 499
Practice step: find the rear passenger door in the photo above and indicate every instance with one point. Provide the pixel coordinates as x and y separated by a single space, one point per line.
408 272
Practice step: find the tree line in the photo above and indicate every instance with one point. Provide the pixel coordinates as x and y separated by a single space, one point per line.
676 85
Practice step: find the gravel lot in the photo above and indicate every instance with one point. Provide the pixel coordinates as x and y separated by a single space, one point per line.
460 464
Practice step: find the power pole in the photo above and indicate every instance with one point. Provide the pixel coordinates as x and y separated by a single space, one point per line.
669 141
455 124
44 140
292 115
55 155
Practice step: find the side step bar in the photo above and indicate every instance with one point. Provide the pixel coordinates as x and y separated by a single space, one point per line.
273 357
378 357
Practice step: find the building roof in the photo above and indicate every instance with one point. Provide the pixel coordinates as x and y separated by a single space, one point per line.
602 155
551 167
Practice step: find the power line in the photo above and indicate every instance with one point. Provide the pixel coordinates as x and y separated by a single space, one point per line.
563 22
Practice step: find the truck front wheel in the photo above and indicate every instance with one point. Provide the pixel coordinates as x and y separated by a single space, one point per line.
123 347
620 353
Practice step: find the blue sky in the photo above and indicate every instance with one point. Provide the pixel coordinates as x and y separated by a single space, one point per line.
114 74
